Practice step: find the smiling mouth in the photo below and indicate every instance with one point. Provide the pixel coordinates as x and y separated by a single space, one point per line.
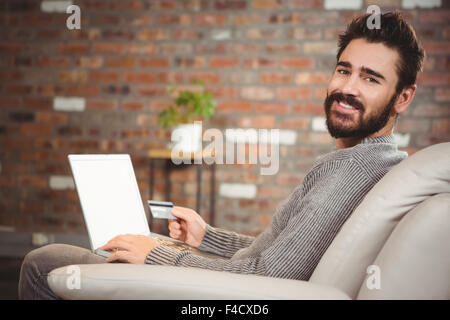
343 106
346 106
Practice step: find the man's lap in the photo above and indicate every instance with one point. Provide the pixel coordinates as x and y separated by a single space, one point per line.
59 255
38 263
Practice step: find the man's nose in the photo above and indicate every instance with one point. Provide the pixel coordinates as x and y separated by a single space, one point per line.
350 86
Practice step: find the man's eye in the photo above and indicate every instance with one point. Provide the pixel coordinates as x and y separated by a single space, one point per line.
373 80
342 71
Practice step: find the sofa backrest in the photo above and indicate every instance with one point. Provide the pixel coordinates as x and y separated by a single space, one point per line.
414 263
345 263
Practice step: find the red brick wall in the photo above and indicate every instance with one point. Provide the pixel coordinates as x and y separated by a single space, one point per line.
267 62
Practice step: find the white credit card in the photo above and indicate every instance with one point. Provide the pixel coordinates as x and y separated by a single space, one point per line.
161 209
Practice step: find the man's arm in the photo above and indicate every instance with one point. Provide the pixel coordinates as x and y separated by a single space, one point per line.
224 243
227 243
298 248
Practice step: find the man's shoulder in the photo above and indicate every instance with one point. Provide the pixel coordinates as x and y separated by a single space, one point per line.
377 159
364 153
384 153
374 159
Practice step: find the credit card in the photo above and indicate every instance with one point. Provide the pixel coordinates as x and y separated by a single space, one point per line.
161 209
103 253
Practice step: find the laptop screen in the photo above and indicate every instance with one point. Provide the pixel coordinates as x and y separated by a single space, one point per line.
109 196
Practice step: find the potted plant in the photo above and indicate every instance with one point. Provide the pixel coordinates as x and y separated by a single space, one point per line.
189 107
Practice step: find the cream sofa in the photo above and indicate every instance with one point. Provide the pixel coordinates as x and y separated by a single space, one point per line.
394 246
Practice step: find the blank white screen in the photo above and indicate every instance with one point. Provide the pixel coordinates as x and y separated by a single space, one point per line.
109 196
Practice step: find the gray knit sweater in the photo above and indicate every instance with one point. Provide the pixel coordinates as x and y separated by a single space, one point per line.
304 225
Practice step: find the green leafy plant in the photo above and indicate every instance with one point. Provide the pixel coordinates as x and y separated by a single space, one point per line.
189 106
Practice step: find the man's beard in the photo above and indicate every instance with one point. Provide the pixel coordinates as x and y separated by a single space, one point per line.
361 127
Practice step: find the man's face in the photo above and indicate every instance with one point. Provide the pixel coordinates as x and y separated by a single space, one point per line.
361 93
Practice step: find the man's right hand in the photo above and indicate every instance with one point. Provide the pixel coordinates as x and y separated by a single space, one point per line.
189 226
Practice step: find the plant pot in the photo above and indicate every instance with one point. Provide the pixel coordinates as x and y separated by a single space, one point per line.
187 137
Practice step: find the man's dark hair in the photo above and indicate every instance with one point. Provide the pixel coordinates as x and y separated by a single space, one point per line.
396 34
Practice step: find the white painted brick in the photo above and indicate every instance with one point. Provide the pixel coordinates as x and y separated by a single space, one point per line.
343 4
319 124
61 182
237 190
402 139
221 35
55 6
411 4
69 104
288 137
40 239
6 228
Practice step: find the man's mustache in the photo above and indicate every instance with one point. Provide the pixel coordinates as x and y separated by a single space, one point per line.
347 99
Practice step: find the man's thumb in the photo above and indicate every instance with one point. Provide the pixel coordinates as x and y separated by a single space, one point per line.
178 212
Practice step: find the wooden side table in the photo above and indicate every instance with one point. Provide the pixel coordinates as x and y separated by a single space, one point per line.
166 156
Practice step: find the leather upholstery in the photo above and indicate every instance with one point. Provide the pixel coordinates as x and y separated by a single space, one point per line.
123 281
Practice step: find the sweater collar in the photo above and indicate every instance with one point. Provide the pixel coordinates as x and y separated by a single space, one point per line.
382 139
336 153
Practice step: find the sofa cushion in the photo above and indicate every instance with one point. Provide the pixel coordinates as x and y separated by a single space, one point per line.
424 174
138 281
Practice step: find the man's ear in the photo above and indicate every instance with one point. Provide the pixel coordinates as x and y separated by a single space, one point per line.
404 98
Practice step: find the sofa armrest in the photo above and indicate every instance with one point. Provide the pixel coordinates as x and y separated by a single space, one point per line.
127 281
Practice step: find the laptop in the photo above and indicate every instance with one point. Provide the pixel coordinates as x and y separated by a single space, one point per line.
111 201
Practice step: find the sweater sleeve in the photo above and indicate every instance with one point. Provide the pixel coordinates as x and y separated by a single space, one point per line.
297 249
163 255
228 244
224 243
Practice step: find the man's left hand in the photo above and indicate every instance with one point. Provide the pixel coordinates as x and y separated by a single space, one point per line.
131 248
